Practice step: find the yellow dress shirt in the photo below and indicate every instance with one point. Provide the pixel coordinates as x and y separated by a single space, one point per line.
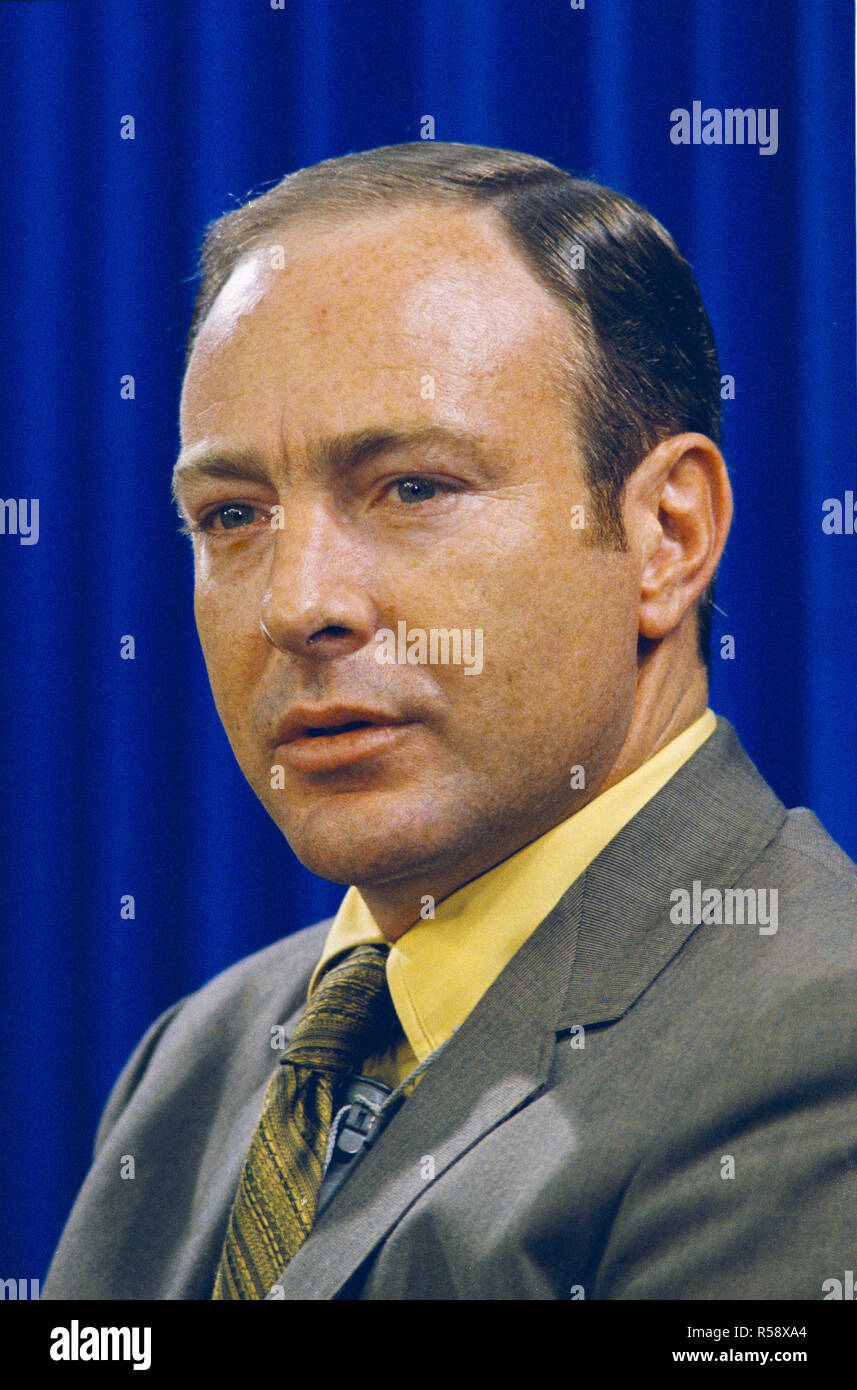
441 967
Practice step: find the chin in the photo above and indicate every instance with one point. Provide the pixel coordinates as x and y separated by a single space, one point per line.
362 846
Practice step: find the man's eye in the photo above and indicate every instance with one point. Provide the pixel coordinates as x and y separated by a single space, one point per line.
415 490
230 517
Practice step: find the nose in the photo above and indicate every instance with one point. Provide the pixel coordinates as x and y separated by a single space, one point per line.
316 602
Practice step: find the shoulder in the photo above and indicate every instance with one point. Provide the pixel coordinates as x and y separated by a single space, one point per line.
276 972
750 837
274 978
765 996
815 884
785 943
210 1026
824 862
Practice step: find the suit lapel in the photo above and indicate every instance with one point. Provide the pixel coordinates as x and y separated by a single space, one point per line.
586 963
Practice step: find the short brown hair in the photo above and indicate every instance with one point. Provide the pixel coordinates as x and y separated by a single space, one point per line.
652 366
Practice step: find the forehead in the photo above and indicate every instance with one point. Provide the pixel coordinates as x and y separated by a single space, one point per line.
423 308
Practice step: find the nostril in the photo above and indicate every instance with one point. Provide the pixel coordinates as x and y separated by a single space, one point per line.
332 630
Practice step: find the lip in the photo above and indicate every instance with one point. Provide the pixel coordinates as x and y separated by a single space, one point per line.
308 747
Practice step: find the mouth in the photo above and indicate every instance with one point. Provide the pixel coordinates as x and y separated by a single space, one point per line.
325 740
335 729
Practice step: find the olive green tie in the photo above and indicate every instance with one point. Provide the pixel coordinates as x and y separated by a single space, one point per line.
350 1017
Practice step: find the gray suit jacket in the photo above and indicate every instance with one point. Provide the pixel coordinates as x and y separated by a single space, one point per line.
701 1143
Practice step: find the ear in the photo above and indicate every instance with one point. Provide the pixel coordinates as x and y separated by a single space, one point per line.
677 507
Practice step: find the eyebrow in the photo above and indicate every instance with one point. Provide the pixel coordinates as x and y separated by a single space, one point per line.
238 464
336 453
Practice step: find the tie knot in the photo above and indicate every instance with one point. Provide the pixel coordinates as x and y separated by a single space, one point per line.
350 1016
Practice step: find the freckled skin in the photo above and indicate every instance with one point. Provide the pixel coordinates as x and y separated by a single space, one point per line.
339 340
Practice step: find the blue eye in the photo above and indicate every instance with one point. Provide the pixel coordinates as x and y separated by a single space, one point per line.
415 490
233 516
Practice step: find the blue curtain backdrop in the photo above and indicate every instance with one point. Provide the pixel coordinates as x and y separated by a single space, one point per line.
118 777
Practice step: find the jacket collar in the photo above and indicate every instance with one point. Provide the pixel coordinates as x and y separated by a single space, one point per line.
709 822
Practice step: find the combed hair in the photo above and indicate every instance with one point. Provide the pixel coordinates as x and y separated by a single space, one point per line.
648 347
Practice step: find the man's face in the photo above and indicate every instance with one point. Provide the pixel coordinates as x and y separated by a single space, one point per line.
376 438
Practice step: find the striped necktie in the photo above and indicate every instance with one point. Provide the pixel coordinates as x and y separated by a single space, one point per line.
350 1017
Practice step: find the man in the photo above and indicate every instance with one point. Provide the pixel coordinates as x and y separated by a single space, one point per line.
584 1024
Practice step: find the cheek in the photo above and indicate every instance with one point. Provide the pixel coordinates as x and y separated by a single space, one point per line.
230 646
577 629
209 625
